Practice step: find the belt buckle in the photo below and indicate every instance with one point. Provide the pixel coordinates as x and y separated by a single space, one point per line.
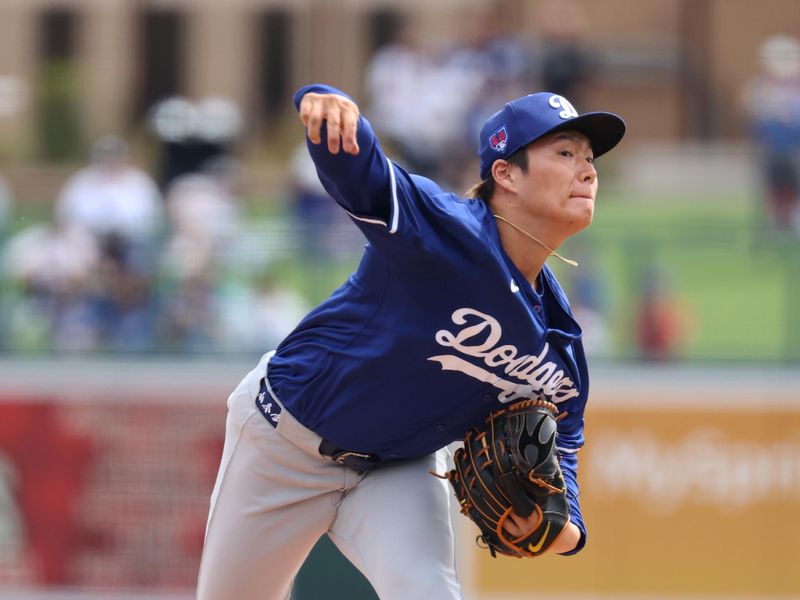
342 457
358 461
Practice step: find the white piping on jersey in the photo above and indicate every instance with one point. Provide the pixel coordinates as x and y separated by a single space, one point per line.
567 450
365 219
393 228
514 287
395 217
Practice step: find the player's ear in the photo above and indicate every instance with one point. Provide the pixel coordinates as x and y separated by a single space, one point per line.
503 175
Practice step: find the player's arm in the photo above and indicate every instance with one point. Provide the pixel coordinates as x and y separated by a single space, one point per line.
348 157
573 539
403 216
566 542
569 441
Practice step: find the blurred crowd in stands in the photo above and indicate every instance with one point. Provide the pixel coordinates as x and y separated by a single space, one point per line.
772 101
123 266
428 103
134 261
137 262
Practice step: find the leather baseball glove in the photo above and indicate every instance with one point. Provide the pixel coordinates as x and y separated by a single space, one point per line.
512 466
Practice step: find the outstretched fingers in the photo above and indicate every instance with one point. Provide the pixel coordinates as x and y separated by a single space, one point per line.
311 117
340 116
334 132
349 131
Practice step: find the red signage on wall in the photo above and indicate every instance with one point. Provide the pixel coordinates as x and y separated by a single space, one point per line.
97 494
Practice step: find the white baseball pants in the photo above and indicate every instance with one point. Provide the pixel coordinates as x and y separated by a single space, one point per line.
275 495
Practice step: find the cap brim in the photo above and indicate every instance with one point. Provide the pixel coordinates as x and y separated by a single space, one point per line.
604 130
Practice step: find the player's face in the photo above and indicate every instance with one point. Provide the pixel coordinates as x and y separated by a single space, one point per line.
561 183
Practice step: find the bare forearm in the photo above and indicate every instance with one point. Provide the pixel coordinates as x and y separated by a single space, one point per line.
568 539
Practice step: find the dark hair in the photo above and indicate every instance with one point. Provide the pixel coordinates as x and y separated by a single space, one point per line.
485 189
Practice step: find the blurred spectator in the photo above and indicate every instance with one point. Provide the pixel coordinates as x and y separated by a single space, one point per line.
442 96
112 197
122 302
203 218
773 104
396 79
418 102
193 134
75 292
53 267
493 66
121 207
204 222
321 222
563 63
662 321
189 320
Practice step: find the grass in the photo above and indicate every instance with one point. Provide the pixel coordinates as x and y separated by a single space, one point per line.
728 275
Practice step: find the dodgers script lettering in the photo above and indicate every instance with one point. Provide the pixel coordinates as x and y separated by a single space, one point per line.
523 375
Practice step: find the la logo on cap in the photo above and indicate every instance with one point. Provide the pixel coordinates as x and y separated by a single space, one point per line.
499 139
568 111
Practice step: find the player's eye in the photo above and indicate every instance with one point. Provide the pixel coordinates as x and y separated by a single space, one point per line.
567 153
590 160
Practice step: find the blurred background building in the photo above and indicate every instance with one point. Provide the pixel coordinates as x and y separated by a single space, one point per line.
75 70
161 226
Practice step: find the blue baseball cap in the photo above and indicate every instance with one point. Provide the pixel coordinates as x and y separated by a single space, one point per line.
526 119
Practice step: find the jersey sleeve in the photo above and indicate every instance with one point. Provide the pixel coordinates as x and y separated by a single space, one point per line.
569 441
402 215
569 469
361 184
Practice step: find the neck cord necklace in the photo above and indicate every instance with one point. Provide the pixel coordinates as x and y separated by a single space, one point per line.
569 261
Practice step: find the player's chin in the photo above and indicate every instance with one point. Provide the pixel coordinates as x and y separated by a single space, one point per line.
581 213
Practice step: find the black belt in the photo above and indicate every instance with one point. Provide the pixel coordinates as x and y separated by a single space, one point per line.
358 461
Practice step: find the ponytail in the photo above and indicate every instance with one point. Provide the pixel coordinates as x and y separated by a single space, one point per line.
485 189
478 191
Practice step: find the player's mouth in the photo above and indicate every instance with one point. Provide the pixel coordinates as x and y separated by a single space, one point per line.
581 195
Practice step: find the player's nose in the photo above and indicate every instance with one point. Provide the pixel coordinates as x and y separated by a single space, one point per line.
587 172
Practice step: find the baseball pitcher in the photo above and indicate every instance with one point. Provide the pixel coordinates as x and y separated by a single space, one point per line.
452 328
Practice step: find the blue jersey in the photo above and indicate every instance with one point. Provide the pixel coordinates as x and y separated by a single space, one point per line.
435 329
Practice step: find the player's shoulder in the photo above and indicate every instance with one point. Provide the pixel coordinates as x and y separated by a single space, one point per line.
464 218
447 200
427 186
